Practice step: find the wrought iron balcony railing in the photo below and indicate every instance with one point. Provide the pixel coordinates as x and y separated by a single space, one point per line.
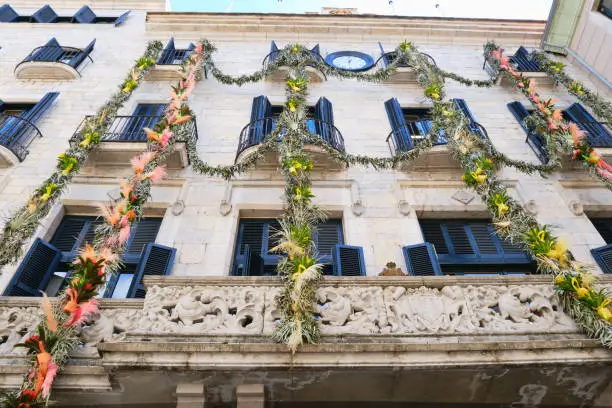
16 134
173 56
255 132
73 57
389 57
409 135
271 57
131 128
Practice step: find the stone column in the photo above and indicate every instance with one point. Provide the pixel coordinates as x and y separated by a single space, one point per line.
190 396
250 396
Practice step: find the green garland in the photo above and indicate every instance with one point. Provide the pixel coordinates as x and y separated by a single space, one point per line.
548 123
24 221
556 70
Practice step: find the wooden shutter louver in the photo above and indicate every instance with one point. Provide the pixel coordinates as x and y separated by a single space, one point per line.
597 134
401 135
45 15
421 260
35 270
157 260
8 14
85 15
348 261
603 257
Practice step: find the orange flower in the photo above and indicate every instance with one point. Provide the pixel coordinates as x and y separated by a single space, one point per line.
557 115
139 162
576 132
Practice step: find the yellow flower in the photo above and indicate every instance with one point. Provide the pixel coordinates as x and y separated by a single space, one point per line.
604 311
502 208
580 291
559 279
560 253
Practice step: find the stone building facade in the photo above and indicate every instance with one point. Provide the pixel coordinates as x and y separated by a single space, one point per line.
202 334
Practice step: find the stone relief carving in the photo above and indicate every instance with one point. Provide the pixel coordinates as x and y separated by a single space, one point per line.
340 310
16 324
209 309
349 310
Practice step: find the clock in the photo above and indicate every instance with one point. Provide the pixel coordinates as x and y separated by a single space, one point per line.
350 61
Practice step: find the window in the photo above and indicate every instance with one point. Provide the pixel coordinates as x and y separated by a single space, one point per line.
173 56
524 62
18 123
46 14
603 255
130 128
48 265
605 8
256 236
471 247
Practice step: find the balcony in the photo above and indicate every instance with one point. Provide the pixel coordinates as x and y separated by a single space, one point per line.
501 336
409 135
255 132
404 73
169 63
54 62
125 138
16 135
280 75
523 62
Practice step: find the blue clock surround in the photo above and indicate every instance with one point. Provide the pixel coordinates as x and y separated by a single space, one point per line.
369 61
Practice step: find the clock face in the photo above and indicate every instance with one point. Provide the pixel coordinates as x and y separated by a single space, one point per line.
350 60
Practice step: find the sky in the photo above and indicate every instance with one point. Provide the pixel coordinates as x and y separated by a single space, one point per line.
515 9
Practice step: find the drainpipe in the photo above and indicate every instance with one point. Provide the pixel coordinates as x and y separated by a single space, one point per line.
585 65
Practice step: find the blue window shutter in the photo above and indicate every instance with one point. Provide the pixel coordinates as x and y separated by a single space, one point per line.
465 110
45 15
69 235
144 232
81 56
524 62
324 113
421 260
35 270
534 140
36 112
603 257
51 51
382 54
7 14
157 260
316 52
401 136
85 15
261 120
348 261
145 115
121 18
597 134
273 51
167 55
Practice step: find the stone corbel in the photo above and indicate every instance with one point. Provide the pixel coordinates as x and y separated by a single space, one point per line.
225 207
403 206
356 204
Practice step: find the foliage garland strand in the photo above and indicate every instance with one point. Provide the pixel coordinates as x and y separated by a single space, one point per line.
589 307
562 138
24 221
58 333
556 70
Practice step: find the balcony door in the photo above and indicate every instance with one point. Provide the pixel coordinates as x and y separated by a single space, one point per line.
146 115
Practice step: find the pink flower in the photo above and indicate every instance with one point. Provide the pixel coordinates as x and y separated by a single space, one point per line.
124 234
602 163
532 88
79 313
576 132
551 125
156 174
604 173
139 162
165 137
504 62
51 372
199 48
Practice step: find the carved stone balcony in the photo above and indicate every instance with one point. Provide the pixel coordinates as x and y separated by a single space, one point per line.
505 338
255 132
54 62
125 138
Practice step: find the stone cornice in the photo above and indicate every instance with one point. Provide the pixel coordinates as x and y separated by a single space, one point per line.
365 26
58 5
